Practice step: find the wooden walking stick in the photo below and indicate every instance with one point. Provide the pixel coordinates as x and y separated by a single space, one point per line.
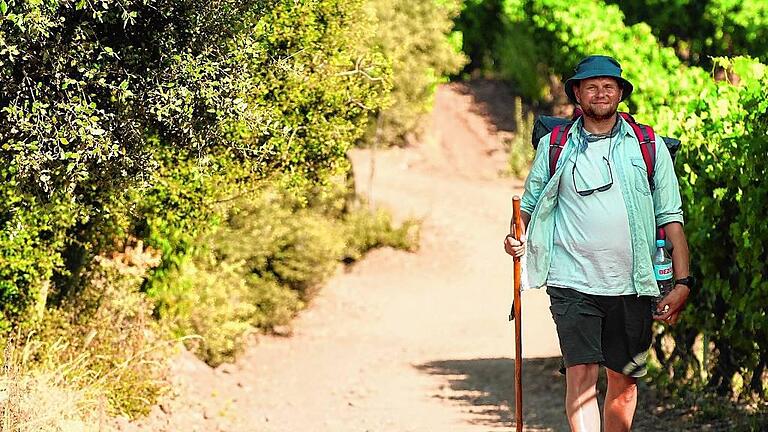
517 228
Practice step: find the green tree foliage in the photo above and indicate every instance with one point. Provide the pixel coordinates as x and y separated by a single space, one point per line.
263 264
417 37
97 98
155 120
84 83
314 80
721 179
169 123
700 29
499 40
317 75
32 236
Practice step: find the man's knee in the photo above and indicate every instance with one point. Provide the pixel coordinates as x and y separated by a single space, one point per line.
624 388
582 374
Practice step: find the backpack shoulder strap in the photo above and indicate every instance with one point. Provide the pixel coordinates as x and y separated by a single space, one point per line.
647 139
556 143
627 116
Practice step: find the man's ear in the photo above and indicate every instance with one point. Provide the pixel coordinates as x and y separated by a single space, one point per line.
575 89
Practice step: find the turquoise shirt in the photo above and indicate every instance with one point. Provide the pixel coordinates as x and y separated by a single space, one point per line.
583 257
645 210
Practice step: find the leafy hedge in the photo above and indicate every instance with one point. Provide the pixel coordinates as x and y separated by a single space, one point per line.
419 40
725 201
700 30
263 264
719 179
163 126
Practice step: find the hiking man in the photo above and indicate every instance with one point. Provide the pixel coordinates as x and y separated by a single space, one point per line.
591 228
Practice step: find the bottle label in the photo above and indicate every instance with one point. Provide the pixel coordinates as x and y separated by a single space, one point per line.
663 271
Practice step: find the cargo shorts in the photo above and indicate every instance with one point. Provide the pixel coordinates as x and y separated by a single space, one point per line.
614 331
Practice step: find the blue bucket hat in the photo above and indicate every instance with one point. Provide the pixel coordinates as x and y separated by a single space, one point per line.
598 66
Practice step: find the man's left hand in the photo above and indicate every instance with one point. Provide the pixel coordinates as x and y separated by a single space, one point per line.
675 300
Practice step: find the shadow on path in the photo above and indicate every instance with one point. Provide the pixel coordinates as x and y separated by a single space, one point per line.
485 387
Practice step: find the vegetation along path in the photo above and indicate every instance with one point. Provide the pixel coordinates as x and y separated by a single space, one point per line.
402 341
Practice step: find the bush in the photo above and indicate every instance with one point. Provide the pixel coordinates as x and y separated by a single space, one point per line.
32 237
96 96
520 150
365 229
700 30
213 306
103 341
721 182
264 264
417 38
158 122
298 249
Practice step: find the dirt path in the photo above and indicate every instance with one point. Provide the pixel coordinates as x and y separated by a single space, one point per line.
401 341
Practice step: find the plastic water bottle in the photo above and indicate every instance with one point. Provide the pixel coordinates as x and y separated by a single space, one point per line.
662 268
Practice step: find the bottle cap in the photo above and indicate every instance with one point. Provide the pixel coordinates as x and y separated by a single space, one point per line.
661 243
661 234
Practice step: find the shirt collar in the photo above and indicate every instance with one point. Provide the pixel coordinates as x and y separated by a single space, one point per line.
625 129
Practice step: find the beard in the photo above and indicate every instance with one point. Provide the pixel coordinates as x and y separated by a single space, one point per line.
599 112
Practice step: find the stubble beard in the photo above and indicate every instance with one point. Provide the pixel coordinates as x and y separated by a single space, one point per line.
599 112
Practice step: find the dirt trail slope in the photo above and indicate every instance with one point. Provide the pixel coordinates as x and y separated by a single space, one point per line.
400 341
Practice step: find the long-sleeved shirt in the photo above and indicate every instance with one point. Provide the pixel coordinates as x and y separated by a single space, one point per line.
646 211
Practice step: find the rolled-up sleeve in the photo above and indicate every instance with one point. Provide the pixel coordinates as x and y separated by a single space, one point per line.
537 177
667 203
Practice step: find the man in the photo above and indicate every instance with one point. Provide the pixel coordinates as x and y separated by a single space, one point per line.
591 230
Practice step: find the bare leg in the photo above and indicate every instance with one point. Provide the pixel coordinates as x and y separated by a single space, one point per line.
581 398
620 402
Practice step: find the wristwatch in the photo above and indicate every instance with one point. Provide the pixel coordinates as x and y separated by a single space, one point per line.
688 281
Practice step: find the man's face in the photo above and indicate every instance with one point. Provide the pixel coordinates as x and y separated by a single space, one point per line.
599 97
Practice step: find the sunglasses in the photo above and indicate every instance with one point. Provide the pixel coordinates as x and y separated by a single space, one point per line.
598 189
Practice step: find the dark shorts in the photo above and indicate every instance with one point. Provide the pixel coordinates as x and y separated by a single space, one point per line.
614 331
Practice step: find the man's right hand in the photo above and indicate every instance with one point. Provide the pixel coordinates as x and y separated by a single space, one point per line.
514 247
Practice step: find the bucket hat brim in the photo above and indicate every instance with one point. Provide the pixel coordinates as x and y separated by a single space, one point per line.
594 67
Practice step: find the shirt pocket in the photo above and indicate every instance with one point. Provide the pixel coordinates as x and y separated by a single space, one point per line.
640 174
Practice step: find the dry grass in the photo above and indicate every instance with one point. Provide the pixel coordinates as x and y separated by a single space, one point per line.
95 355
43 401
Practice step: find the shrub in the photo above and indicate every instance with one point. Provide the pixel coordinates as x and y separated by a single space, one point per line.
721 183
365 229
169 123
32 237
103 341
520 150
215 305
264 264
417 38
700 30
91 91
